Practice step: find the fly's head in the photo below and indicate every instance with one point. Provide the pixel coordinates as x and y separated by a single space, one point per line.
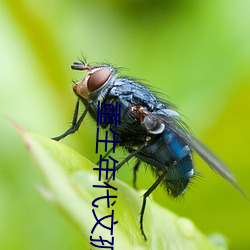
95 81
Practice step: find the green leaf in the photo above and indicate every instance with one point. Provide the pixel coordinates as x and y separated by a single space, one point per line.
69 180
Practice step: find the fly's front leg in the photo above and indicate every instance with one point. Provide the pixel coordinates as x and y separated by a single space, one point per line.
75 123
145 196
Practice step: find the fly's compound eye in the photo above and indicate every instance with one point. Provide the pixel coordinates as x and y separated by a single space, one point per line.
97 79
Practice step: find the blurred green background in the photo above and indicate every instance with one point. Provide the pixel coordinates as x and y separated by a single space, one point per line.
195 52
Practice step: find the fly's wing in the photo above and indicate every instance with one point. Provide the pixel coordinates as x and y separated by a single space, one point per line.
212 160
175 124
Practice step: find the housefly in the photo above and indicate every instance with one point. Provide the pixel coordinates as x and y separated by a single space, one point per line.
151 130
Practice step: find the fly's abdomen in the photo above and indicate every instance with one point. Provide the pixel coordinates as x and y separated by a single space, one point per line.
178 176
171 155
180 166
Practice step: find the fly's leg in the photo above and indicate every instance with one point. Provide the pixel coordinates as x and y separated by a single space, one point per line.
75 123
127 158
105 156
136 167
145 196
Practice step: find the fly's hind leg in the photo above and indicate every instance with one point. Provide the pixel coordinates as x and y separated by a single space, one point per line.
144 201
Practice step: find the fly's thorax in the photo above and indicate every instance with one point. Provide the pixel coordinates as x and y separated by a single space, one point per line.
94 85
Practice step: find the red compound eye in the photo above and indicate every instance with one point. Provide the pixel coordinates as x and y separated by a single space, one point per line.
97 79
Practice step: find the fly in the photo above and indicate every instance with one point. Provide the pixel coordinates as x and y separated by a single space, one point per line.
151 130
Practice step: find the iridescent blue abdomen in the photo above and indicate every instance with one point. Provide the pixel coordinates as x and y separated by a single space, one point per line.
170 153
